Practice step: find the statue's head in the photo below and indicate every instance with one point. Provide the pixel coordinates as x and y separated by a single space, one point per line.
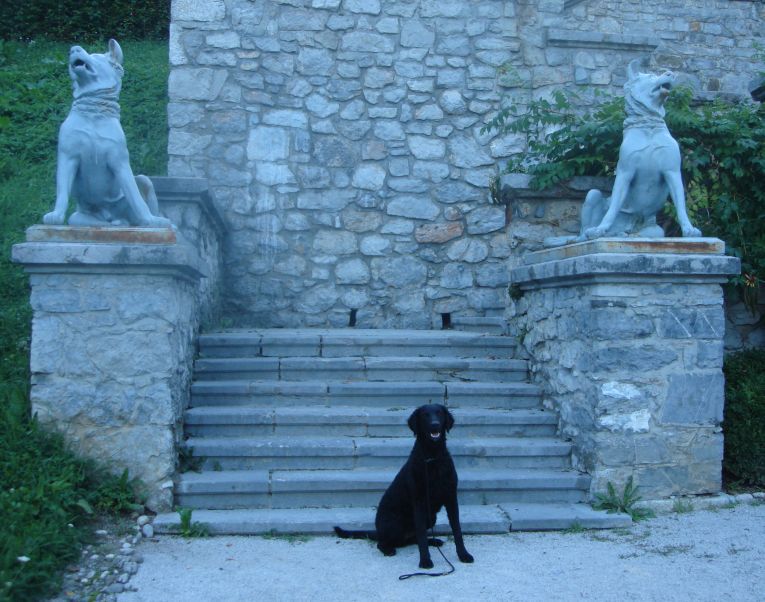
645 93
96 74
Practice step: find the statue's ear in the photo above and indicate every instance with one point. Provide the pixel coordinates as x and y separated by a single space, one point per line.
115 51
633 69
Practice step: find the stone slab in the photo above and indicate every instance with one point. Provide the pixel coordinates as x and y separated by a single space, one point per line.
111 234
550 517
112 258
626 267
678 246
474 519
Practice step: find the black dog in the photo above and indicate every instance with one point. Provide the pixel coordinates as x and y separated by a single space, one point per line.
426 483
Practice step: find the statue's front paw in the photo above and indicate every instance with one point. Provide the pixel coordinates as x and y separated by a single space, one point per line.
596 232
158 222
690 231
54 218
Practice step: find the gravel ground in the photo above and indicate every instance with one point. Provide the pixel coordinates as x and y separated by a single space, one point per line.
700 555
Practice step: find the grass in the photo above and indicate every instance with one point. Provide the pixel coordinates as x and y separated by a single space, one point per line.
49 496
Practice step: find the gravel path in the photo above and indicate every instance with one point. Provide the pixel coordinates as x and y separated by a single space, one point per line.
701 555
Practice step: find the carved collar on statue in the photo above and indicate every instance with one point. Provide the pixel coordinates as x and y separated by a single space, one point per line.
645 122
100 105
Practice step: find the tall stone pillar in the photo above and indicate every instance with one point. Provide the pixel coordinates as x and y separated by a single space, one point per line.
626 337
115 315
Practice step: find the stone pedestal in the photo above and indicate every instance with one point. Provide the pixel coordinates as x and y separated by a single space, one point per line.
626 337
115 315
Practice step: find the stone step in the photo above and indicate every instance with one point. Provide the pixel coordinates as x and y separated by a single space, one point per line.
362 369
285 452
364 487
244 421
354 342
475 519
486 324
408 394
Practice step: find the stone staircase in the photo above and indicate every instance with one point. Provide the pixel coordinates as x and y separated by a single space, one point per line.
299 430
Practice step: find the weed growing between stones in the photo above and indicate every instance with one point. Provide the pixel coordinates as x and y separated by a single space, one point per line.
682 507
574 529
292 538
613 502
188 528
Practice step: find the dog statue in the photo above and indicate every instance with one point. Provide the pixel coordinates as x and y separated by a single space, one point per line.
93 162
647 172
426 483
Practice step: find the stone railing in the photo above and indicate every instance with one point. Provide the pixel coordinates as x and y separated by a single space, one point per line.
116 313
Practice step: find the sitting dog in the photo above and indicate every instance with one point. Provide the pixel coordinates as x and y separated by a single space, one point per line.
93 161
426 483
648 169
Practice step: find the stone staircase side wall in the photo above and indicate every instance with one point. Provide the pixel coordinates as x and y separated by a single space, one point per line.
629 350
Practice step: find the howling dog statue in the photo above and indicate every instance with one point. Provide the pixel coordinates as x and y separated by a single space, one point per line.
647 172
93 162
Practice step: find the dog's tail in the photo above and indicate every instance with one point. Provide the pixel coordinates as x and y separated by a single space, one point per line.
345 534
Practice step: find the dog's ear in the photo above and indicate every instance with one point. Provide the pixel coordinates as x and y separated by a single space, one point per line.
414 420
115 52
633 69
449 420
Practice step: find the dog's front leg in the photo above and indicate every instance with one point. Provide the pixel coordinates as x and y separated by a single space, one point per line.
675 183
421 534
621 187
453 513
66 168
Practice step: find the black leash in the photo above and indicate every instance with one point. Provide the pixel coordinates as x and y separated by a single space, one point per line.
432 535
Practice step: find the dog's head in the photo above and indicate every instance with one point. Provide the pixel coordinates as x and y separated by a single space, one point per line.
430 423
645 93
96 74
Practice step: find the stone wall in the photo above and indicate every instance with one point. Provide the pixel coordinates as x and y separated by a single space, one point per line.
628 346
342 138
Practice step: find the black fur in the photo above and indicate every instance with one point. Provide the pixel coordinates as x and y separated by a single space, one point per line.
427 481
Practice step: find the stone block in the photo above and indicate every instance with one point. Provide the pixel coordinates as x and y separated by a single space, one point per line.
694 399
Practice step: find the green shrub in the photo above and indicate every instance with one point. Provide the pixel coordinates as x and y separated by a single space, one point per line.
85 20
744 424
723 154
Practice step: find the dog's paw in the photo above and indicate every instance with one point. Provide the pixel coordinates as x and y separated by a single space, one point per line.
387 551
596 232
465 556
54 218
690 231
434 542
426 563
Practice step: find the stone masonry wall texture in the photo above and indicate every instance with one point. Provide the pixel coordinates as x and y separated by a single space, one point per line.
341 138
